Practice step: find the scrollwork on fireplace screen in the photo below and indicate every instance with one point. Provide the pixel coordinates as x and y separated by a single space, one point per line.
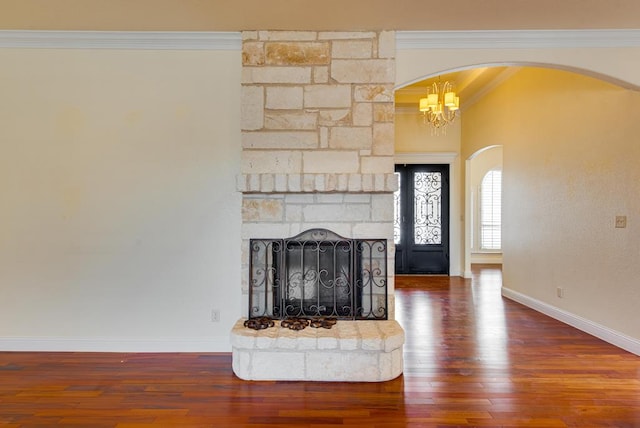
318 274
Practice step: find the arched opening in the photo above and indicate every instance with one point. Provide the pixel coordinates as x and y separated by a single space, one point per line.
476 87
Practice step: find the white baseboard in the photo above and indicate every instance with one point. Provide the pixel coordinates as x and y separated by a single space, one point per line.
605 333
59 344
486 258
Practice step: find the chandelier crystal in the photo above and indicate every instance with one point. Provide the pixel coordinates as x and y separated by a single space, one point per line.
440 105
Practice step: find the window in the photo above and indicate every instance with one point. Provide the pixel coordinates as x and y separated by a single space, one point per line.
491 211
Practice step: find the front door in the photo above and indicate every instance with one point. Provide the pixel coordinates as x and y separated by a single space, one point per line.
421 224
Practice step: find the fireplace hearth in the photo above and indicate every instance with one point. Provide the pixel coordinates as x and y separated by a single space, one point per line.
318 274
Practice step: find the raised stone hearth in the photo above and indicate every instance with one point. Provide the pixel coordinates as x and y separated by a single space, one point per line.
350 351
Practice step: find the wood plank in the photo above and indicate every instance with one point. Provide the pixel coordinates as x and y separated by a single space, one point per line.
472 358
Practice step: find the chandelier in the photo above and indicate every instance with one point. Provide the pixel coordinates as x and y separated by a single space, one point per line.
440 105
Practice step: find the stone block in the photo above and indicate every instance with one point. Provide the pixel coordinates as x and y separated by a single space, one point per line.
367 183
252 53
330 161
378 182
382 230
300 198
385 365
266 75
363 70
334 117
294 182
268 161
382 207
294 214
342 366
269 366
241 363
387 44
254 183
383 112
286 342
243 341
355 182
362 114
327 96
334 212
320 184
350 138
251 108
280 183
297 53
308 182
264 230
383 139
377 164
324 137
331 198
349 336
262 209
344 49
266 339
392 182
343 183
373 93
249 35
372 339
241 183
307 339
330 182
291 121
284 97
320 74
267 183
280 140
358 198
327 342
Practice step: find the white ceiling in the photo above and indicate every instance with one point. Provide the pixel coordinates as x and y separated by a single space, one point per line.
470 85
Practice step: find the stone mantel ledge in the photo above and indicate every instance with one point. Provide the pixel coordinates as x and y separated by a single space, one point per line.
316 183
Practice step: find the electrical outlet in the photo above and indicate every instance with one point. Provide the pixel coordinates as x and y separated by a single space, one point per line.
621 221
560 292
215 315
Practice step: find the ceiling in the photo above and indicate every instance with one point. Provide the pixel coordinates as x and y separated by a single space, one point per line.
338 15
342 15
470 85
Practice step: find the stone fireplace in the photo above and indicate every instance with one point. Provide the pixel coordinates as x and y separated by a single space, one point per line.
317 151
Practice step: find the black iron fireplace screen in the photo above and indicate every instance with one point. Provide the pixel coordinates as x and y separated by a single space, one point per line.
318 274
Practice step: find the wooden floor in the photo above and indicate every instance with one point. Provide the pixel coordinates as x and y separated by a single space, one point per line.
472 358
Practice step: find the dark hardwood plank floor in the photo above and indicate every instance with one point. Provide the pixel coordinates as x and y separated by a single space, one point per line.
472 358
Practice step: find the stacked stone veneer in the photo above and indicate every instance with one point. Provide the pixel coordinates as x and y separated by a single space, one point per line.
317 137
317 134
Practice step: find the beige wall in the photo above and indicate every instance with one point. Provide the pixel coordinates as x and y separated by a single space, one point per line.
570 166
119 214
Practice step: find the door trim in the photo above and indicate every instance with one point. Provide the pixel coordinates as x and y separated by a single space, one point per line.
456 221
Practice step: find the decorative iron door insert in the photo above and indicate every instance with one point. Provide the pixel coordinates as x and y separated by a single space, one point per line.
318 274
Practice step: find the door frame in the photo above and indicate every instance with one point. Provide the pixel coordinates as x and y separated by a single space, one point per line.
456 220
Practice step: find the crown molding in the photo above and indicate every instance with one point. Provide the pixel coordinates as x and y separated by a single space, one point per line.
153 40
517 39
